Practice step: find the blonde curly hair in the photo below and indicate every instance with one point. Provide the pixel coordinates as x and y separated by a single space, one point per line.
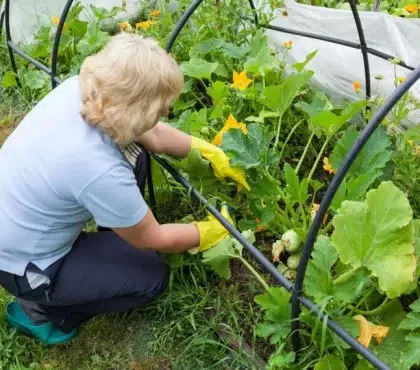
128 86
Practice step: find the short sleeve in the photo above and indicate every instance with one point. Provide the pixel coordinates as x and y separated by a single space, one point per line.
114 200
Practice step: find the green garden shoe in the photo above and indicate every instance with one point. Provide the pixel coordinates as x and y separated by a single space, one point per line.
45 333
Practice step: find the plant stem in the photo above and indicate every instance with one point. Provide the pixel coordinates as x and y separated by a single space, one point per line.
302 157
302 210
318 158
289 137
199 100
375 310
328 226
347 275
254 272
363 300
276 142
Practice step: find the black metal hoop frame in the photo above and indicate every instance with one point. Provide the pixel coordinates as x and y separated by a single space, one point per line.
297 299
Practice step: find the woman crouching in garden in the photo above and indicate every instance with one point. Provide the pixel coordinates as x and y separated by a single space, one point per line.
66 164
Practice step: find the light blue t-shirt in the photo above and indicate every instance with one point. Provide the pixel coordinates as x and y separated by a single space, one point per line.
56 173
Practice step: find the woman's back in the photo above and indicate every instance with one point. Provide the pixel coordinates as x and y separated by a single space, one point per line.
46 166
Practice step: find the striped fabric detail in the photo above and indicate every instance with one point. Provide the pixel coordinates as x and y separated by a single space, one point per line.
131 153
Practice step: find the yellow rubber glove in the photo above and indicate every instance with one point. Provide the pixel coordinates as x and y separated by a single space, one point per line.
220 162
211 231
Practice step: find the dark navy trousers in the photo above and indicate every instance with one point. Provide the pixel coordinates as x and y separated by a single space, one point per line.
101 274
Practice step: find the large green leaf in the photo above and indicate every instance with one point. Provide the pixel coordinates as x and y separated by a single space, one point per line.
348 291
217 91
198 68
264 209
330 362
281 359
262 63
318 281
235 51
412 321
264 185
93 40
261 117
219 256
8 80
298 190
199 172
363 365
275 303
209 45
319 103
300 66
258 41
279 97
391 349
391 314
374 156
247 150
260 199
35 79
357 186
330 122
191 122
348 324
411 352
366 169
378 234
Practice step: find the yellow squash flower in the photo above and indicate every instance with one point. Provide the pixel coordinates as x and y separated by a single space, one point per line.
155 13
327 166
260 228
231 122
411 8
410 142
125 27
369 330
288 44
56 20
240 80
314 210
145 25
356 86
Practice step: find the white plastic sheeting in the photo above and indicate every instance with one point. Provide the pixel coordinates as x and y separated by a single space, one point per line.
27 15
337 66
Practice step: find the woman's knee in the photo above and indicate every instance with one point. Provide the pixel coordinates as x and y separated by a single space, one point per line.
160 279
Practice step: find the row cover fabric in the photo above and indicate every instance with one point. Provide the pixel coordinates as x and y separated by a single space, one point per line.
336 66
27 15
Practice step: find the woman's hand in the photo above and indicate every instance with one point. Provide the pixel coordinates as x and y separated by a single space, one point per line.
211 231
220 162
164 139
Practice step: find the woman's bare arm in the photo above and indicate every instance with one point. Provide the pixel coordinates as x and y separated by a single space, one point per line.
168 238
164 139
